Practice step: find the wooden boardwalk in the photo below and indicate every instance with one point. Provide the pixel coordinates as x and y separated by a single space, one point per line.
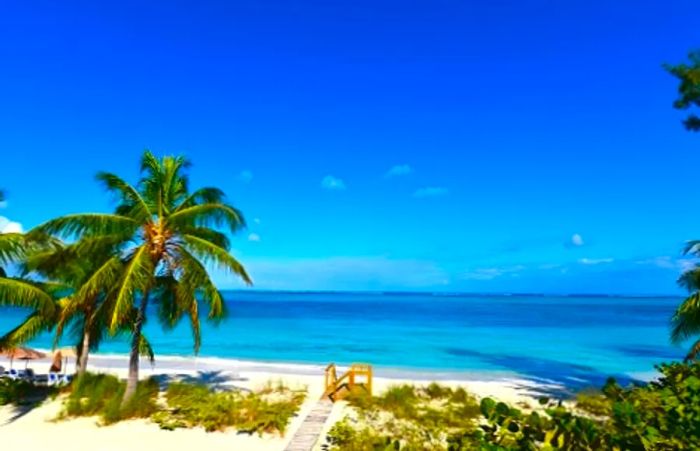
310 430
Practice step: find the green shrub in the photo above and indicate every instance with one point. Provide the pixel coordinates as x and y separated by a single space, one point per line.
594 402
193 405
407 418
19 392
661 415
101 395
344 436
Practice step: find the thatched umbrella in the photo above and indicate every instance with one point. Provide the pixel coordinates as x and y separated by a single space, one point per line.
22 353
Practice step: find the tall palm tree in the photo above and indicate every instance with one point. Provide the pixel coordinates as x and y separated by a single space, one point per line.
164 236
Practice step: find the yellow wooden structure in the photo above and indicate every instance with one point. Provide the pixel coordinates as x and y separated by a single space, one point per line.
359 375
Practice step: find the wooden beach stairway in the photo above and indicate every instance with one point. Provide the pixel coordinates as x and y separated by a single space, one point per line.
359 376
335 388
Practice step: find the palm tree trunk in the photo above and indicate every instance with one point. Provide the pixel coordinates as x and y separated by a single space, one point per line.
85 350
133 379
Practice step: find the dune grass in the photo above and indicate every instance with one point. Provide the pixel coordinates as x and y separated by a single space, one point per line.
101 395
405 416
183 405
269 410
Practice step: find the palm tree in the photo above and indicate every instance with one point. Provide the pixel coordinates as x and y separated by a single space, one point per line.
163 237
69 270
16 291
685 322
65 271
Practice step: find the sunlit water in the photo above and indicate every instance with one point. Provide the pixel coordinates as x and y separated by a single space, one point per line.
572 340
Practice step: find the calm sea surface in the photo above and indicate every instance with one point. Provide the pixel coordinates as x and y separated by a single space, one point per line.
562 339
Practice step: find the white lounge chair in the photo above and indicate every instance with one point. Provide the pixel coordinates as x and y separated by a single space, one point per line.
53 379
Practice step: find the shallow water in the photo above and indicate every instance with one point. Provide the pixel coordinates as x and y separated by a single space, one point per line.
570 340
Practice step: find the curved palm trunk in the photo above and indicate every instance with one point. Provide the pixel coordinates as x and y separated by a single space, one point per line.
85 350
133 379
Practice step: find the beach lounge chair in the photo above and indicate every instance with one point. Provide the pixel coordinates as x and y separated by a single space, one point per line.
27 374
53 379
13 374
41 379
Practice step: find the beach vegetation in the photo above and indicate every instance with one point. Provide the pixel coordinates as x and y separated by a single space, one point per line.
18 392
661 415
101 395
405 417
196 405
183 405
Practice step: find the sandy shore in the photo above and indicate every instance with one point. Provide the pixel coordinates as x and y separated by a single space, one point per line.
35 428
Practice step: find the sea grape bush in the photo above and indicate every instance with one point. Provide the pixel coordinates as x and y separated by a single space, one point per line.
661 415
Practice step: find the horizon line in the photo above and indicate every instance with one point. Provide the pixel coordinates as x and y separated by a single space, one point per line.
453 293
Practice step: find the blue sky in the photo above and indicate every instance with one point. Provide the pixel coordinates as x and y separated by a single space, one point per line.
443 145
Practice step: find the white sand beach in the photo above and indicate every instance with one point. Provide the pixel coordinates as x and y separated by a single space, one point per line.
36 428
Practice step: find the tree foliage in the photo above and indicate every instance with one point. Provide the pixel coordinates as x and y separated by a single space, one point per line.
688 75
661 415
162 240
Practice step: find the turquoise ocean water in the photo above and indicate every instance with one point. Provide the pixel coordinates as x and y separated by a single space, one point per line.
572 340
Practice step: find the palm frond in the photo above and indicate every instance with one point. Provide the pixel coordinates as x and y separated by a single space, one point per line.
175 181
693 352
195 278
19 293
210 214
690 280
30 328
127 193
102 280
145 349
206 195
12 247
211 253
685 322
88 224
138 273
692 247
216 238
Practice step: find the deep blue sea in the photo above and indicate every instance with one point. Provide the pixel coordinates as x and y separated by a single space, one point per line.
540 337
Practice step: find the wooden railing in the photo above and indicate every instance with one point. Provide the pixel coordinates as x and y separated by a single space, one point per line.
338 387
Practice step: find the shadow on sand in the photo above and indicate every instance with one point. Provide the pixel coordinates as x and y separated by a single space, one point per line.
549 378
216 380
33 401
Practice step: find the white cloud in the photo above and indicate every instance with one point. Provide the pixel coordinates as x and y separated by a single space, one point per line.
431 191
254 237
666 262
7 226
332 183
398 170
595 261
245 176
492 273
577 240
